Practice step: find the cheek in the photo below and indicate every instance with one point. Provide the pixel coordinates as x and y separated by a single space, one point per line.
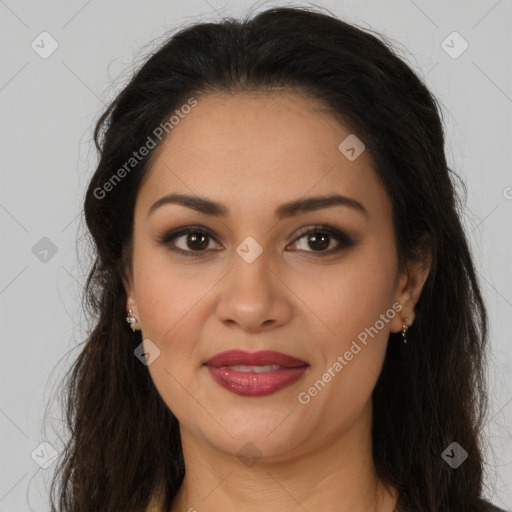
341 384
169 306
166 292
351 295
355 306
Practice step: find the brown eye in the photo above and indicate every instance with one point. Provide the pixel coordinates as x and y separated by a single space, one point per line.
320 239
196 241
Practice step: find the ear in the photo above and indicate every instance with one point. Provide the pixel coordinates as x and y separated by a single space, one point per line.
410 283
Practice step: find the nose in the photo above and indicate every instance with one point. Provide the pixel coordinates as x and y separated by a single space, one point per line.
253 297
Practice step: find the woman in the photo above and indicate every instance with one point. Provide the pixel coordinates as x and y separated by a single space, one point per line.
288 316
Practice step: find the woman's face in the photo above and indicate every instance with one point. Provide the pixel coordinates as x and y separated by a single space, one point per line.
252 279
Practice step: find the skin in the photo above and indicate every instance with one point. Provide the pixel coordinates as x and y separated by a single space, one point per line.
314 456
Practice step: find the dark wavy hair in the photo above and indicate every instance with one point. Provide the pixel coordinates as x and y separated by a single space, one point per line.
124 442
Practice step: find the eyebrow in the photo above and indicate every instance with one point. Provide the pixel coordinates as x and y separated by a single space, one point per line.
286 210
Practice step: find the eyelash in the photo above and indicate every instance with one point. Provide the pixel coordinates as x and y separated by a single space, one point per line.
343 239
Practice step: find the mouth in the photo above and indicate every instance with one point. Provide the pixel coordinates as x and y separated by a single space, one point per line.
255 373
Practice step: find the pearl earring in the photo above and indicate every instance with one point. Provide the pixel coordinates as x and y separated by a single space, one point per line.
131 319
405 326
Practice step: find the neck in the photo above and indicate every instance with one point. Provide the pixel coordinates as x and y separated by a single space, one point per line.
338 474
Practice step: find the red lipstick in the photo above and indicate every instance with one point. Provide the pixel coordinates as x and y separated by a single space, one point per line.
255 373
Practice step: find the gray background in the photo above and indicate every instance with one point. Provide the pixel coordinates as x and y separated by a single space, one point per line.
48 107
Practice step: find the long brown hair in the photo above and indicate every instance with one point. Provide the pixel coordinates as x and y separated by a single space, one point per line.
124 441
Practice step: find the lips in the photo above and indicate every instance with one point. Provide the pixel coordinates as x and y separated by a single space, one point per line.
262 358
257 373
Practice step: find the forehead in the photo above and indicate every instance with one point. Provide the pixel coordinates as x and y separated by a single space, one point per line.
255 150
